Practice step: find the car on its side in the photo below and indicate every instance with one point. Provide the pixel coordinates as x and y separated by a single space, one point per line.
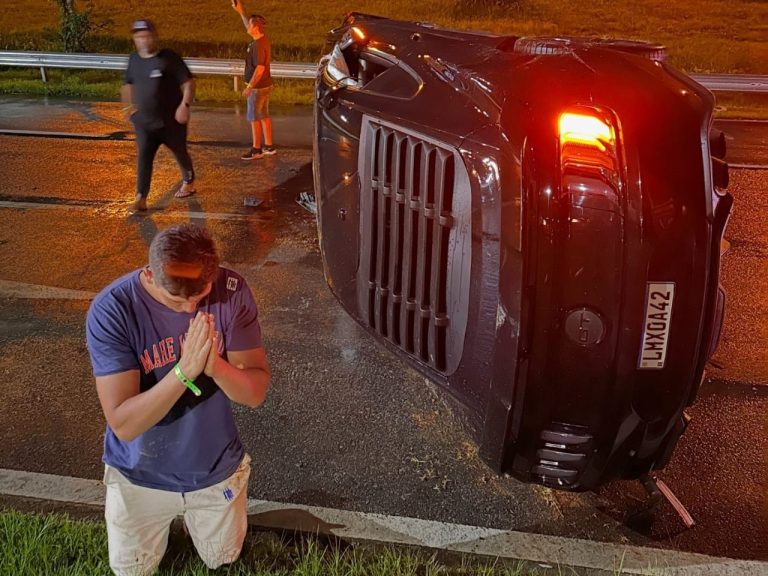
534 224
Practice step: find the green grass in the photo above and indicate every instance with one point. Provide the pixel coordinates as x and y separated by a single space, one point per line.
105 86
96 84
38 545
55 545
753 106
702 36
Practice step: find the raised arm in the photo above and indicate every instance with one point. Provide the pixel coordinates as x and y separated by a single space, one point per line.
240 9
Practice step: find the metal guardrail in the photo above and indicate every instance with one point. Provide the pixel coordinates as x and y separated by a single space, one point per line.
307 70
213 66
732 82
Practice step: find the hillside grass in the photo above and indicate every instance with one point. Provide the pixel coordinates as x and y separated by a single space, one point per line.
702 36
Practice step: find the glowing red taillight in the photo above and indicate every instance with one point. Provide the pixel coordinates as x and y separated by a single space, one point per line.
588 139
589 157
585 130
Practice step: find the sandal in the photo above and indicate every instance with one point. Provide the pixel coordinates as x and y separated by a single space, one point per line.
185 191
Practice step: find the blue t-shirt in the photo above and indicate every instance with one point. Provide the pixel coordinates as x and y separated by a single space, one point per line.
196 444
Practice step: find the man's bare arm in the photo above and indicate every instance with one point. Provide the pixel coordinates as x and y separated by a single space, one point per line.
240 9
130 413
257 74
126 93
188 91
245 378
126 96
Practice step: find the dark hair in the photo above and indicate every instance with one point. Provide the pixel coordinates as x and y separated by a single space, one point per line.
184 259
259 20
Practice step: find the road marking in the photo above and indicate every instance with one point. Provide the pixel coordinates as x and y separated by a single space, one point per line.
116 136
40 205
13 205
46 134
741 121
9 289
748 166
494 543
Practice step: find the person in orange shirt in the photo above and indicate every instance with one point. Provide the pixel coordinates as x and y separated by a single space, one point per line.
258 81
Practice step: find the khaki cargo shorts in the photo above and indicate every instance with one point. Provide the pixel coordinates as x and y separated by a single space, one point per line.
139 521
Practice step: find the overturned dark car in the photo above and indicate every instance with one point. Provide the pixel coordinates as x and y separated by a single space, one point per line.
534 224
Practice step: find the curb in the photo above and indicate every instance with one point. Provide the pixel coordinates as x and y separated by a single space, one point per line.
397 530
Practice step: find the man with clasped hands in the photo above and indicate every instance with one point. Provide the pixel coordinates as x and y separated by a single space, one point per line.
173 344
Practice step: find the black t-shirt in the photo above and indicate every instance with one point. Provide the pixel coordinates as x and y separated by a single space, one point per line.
259 53
156 85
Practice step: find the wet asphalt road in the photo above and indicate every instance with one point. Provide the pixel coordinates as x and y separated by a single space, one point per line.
345 425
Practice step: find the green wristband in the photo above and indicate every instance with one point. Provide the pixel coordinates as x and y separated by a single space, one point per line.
186 381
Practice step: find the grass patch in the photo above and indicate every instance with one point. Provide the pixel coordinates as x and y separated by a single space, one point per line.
42 545
286 92
105 86
702 35
89 84
715 38
752 106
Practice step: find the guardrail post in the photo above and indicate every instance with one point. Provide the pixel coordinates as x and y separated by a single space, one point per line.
43 74
236 83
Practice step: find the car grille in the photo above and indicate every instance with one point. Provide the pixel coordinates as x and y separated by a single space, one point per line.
414 273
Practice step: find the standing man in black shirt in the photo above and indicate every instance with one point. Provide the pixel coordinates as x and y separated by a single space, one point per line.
159 89
258 81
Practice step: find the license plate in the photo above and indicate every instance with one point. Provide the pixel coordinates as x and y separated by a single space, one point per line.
658 318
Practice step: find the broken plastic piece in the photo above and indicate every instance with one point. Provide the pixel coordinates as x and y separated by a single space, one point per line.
307 201
252 201
685 516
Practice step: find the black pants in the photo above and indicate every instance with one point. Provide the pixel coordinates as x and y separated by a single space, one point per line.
148 140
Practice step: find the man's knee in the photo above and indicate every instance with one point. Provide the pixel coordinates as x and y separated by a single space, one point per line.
138 521
147 568
215 558
217 518
261 113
